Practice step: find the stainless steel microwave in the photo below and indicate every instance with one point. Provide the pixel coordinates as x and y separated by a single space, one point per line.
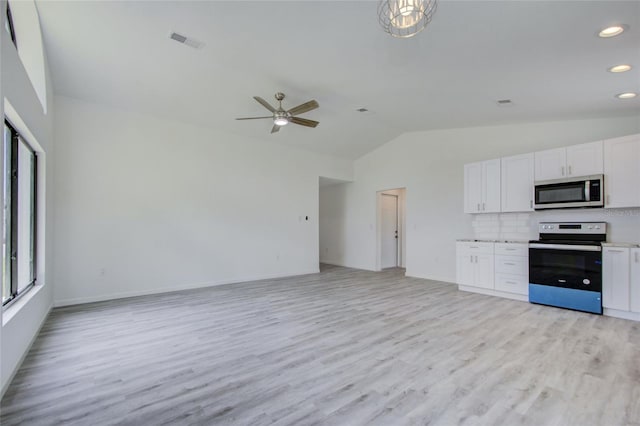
585 191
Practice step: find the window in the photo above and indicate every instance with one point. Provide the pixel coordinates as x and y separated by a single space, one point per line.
19 227
8 25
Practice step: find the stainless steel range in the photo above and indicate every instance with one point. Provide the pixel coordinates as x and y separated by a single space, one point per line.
565 265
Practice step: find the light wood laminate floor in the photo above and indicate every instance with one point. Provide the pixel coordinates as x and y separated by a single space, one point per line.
343 347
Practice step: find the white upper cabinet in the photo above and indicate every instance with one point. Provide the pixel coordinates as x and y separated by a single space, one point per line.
491 186
585 159
574 161
482 187
473 188
622 171
517 183
551 164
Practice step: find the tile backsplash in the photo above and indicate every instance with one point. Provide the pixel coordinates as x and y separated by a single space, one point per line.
502 226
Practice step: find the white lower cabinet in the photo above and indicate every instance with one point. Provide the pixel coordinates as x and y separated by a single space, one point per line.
499 269
615 278
474 265
517 284
512 268
621 281
634 284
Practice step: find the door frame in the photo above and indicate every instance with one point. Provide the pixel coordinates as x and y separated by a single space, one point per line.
401 194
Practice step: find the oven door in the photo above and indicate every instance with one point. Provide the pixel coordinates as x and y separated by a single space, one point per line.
568 276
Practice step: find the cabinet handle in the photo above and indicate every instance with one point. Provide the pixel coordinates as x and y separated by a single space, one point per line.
608 199
569 169
474 247
511 282
616 251
476 259
530 204
637 257
562 170
478 206
470 258
508 263
483 209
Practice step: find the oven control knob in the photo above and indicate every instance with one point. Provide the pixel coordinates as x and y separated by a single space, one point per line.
597 226
589 227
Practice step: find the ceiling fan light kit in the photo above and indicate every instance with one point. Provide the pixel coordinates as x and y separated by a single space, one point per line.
282 117
405 18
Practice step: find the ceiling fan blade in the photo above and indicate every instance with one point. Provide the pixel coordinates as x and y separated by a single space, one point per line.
304 121
264 103
275 128
307 106
253 118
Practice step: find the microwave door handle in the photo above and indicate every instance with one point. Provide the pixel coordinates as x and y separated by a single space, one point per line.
587 190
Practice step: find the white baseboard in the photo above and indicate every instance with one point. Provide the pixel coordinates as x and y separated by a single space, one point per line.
489 292
432 278
25 353
347 266
633 316
192 286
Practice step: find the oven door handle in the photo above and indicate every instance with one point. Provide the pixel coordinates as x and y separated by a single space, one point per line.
565 247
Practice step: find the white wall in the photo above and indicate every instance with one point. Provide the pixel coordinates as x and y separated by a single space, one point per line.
430 166
147 205
22 320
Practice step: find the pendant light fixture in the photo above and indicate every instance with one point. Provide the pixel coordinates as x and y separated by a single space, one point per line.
405 18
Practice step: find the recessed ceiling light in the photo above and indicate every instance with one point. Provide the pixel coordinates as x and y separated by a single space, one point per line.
611 31
620 68
626 95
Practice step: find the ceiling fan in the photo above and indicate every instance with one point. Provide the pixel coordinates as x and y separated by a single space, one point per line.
283 117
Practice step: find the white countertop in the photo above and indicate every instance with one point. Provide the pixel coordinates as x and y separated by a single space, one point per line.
624 245
471 240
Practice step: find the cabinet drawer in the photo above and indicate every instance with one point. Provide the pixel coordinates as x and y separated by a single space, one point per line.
514 265
518 284
467 248
512 249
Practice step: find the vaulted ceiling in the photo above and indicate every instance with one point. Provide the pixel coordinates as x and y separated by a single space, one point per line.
543 55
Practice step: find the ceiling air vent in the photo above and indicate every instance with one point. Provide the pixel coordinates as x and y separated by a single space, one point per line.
186 40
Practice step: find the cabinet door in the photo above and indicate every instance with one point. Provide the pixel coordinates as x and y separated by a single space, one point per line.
484 270
622 171
465 270
615 278
584 159
517 183
472 187
550 164
491 186
635 280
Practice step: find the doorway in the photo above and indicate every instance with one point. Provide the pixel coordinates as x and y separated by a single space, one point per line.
391 230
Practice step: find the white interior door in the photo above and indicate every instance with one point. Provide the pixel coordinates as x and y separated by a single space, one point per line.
389 238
